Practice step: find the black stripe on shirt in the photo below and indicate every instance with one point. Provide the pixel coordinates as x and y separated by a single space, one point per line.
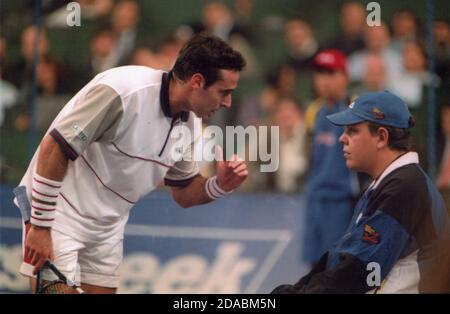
179 183
68 151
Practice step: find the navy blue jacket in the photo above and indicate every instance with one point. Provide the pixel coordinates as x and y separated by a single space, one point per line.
400 223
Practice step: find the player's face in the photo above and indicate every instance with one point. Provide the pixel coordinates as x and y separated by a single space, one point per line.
360 147
330 85
206 102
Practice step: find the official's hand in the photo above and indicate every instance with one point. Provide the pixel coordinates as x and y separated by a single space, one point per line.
230 174
39 246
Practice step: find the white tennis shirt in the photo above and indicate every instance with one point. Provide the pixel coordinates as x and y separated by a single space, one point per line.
116 133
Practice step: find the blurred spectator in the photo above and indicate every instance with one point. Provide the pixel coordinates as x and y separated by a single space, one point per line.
374 78
411 85
244 10
243 14
146 57
261 110
218 20
441 32
443 179
2 54
49 72
283 79
9 96
293 160
8 92
48 77
22 70
302 45
164 56
375 74
280 83
377 40
330 187
168 51
404 28
125 17
102 48
353 22
101 57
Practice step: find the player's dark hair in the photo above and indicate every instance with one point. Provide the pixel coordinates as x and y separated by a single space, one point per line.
399 139
207 55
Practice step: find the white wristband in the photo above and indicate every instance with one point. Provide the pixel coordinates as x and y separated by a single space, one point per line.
213 189
44 194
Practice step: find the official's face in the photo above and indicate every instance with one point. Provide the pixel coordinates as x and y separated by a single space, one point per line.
206 102
360 147
330 85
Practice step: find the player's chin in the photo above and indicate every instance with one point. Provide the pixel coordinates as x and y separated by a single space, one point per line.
206 115
350 164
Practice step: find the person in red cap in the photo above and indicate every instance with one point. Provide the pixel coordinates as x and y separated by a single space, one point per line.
330 188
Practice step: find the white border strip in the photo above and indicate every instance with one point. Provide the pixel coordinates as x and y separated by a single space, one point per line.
268 264
207 232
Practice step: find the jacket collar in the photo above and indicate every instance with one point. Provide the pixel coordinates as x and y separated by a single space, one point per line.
403 160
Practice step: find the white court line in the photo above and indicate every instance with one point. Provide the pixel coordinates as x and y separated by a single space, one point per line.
186 232
207 232
268 264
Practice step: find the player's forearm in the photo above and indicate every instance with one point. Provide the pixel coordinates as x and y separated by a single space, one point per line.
47 182
52 163
193 194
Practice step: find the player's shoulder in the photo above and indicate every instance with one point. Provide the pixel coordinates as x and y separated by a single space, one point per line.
135 70
126 79
408 179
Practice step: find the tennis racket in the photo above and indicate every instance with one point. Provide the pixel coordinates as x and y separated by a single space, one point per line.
62 285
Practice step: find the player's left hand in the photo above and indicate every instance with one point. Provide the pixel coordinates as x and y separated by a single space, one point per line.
230 173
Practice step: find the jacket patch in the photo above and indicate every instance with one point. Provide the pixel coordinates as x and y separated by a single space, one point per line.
370 235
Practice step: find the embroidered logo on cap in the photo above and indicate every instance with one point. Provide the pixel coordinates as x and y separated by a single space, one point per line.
378 114
351 105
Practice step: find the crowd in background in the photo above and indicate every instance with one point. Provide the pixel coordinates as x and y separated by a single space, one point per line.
391 56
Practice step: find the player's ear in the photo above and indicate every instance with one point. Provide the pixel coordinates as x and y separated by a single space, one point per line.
197 81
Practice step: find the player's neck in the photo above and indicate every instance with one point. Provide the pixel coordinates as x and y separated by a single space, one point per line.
177 96
386 159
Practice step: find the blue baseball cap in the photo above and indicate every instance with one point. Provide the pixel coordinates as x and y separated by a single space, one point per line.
383 108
